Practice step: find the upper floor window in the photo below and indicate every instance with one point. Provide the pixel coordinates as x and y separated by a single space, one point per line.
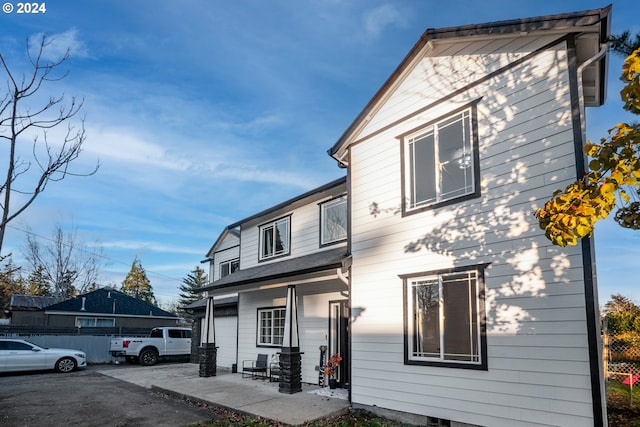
333 221
440 162
444 313
275 238
228 267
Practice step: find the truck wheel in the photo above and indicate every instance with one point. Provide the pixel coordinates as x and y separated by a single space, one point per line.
148 357
133 360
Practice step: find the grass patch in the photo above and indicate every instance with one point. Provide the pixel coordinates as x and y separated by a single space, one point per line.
619 411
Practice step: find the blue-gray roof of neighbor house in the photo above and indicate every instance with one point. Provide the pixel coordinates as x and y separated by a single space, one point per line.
109 301
308 264
29 302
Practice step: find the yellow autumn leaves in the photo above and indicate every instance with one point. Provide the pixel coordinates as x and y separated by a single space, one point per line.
613 167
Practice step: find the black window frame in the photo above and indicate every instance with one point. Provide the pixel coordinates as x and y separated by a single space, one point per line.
259 326
480 312
273 223
474 159
322 206
230 263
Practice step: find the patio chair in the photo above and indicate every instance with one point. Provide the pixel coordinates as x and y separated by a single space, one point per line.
275 372
256 368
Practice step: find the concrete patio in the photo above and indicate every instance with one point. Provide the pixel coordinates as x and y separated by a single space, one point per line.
245 395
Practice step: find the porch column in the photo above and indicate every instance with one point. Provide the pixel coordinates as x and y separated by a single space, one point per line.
290 356
207 353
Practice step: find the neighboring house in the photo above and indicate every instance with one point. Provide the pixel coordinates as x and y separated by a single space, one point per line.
226 328
20 302
462 312
104 307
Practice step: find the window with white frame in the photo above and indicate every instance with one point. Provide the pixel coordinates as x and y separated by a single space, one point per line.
333 221
444 314
94 322
271 326
274 238
439 161
228 267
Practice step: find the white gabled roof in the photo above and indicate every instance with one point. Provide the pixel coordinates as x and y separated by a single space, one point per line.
591 28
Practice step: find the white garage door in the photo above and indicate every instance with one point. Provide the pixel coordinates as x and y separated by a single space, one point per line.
226 341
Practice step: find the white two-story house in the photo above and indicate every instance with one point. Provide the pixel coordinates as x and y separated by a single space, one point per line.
299 242
460 311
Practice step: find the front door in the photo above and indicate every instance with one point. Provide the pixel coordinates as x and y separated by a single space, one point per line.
339 338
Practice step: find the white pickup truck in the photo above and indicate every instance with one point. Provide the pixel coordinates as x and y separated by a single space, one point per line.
161 342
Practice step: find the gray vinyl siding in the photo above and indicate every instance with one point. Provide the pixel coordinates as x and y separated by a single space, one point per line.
304 232
223 256
537 344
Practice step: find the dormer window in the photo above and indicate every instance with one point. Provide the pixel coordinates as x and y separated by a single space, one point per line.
333 221
275 238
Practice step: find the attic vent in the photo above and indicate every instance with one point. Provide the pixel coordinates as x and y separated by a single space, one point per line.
84 300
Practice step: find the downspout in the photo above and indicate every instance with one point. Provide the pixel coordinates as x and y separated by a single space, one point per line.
588 258
604 47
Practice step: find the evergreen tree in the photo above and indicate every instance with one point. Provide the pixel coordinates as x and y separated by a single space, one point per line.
191 285
37 283
137 284
10 282
624 44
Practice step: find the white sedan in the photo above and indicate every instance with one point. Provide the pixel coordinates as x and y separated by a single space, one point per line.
21 355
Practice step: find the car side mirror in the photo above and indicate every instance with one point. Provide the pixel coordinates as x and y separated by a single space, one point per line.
35 349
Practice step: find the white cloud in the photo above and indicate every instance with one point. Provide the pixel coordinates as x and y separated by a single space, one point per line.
58 44
150 246
376 20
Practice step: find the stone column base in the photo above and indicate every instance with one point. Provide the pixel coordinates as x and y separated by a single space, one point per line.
208 355
291 368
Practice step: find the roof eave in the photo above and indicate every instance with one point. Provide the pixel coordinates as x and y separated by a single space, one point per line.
571 21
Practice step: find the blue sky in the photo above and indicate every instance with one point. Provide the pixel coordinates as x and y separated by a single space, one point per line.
202 113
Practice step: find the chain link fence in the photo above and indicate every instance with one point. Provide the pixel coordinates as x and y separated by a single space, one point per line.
621 362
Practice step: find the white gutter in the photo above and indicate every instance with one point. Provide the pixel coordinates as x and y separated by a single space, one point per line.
604 47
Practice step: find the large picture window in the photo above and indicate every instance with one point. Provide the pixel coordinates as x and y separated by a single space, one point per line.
94 322
333 221
439 162
228 267
274 238
271 326
444 314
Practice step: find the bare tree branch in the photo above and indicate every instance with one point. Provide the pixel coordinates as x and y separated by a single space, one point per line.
17 118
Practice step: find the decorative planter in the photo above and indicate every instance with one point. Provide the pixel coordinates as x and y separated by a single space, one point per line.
333 383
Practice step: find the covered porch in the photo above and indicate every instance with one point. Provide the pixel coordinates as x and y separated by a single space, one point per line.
293 306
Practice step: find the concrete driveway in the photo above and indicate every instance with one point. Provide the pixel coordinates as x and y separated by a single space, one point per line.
245 395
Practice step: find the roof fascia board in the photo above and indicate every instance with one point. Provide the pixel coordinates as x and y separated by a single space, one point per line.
87 313
563 23
229 230
290 202
275 282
